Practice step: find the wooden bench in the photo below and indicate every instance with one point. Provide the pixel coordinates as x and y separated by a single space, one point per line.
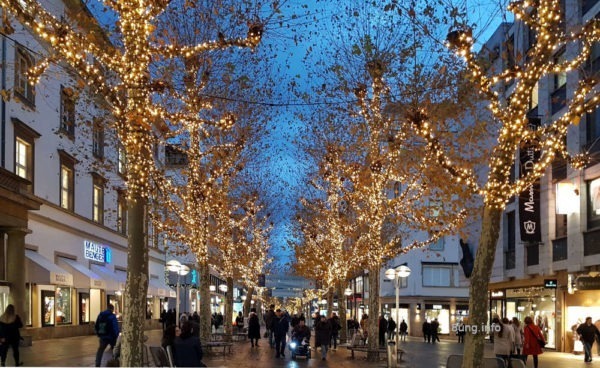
212 347
240 336
380 351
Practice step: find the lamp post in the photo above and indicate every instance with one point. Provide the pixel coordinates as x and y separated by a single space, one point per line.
348 292
397 274
181 270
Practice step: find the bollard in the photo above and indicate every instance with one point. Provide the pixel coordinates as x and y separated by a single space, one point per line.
392 355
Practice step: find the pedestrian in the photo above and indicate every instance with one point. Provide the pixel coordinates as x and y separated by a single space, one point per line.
403 330
531 342
516 325
426 331
460 332
239 322
391 327
107 330
504 339
196 317
334 321
433 331
187 350
171 318
253 327
588 333
169 335
323 336
268 318
382 324
163 319
364 326
280 327
10 323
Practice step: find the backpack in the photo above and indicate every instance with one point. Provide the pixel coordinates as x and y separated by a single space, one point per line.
103 325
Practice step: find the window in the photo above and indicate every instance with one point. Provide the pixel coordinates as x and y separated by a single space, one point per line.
561 226
67 181
122 160
593 203
440 274
23 89
98 140
121 213
24 149
98 199
438 245
560 79
63 305
67 112
534 99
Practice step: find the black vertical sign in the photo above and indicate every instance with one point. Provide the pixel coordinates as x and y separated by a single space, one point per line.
529 199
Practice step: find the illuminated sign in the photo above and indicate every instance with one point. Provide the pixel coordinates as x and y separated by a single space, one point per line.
551 283
497 294
437 306
96 252
194 274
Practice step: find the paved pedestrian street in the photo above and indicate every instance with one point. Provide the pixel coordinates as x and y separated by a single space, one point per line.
80 351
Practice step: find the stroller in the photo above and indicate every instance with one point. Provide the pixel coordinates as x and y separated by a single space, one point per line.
300 348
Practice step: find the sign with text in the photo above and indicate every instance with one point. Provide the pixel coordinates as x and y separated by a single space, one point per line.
551 283
61 279
96 252
529 199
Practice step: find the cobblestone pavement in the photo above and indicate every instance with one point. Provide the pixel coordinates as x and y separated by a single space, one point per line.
80 352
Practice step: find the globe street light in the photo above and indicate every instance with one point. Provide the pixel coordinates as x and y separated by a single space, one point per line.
397 274
181 270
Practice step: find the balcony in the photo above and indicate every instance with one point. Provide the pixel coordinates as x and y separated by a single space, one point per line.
510 259
533 254
591 242
559 249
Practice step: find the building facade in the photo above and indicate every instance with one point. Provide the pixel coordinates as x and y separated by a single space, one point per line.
63 209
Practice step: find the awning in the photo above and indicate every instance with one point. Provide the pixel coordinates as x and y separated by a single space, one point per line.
43 271
114 280
158 287
83 276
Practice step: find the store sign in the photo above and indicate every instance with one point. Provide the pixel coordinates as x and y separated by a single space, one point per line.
61 279
437 307
96 252
587 283
97 284
529 199
497 294
550 283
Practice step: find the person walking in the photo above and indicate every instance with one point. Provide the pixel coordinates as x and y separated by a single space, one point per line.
253 327
516 325
364 326
187 348
391 327
107 330
268 319
587 332
10 323
163 319
382 324
433 331
334 321
426 331
323 336
403 330
531 342
504 339
280 327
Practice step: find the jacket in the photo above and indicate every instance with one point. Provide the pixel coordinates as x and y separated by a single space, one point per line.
112 326
322 333
503 345
188 352
531 346
588 333
10 331
280 326
253 326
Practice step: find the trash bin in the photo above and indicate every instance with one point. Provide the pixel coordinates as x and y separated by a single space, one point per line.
392 355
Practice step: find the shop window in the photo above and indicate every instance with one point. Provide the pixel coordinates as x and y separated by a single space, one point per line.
23 88
67 112
63 305
48 297
67 181
122 212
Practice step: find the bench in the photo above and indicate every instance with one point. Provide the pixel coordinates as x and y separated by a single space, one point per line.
240 336
379 351
212 347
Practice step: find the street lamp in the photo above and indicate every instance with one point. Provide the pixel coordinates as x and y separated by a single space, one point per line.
397 274
349 292
181 270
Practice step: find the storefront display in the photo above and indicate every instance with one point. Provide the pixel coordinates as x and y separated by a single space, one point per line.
84 308
63 305
441 312
47 308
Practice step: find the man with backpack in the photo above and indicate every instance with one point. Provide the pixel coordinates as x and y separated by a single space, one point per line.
107 330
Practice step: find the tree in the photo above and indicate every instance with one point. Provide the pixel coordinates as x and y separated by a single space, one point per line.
515 134
122 75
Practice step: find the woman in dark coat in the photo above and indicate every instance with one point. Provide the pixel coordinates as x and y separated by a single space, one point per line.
253 327
323 336
10 323
188 350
